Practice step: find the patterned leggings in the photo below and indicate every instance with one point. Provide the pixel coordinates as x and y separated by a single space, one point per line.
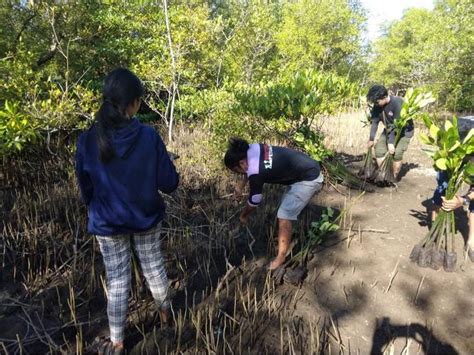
116 251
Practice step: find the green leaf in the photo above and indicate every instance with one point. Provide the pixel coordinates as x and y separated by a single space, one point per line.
434 131
429 151
447 125
441 163
425 139
455 146
330 211
469 136
427 121
469 169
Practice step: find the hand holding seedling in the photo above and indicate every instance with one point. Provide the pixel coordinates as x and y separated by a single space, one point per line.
451 204
370 144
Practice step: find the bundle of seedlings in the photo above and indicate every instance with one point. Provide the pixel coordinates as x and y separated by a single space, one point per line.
450 156
368 171
414 101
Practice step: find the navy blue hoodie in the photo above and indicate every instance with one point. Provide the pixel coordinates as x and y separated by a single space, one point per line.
122 195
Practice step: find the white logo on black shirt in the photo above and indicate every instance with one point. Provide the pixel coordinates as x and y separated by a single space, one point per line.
267 156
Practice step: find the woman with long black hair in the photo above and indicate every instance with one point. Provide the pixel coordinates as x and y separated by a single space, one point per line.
121 165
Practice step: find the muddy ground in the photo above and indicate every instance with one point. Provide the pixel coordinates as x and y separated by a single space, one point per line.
382 301
361 286
361 294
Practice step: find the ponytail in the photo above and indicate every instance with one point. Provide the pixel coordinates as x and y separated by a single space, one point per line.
121 88
107 117
236 151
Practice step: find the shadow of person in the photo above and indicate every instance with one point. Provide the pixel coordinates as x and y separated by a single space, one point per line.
385 333
406 167
424 217
462 223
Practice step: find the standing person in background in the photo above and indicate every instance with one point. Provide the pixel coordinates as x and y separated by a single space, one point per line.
121 164
387 108
263 163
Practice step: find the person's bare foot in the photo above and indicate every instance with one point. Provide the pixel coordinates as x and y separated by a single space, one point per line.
165 317
277 262
118 348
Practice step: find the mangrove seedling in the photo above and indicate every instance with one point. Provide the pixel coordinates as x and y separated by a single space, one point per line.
450 156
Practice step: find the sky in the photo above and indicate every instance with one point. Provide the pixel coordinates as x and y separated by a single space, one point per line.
384 11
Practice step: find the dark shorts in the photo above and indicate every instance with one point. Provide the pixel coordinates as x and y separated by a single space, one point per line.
381 148
442 180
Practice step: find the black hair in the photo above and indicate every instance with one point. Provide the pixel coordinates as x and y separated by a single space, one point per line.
376 92
236 151
121 88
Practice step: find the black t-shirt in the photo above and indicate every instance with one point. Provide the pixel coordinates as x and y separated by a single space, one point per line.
277 165
392 112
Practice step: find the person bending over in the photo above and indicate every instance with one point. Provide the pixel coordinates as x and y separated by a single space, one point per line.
264 163
386 108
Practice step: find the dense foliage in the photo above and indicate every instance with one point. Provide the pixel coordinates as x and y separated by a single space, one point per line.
190 54
432 49
449 152
292 108
195 55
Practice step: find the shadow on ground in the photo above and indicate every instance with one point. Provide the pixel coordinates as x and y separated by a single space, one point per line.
386 333
424 218
406 167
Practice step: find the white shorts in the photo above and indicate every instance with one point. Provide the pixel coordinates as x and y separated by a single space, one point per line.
297 197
